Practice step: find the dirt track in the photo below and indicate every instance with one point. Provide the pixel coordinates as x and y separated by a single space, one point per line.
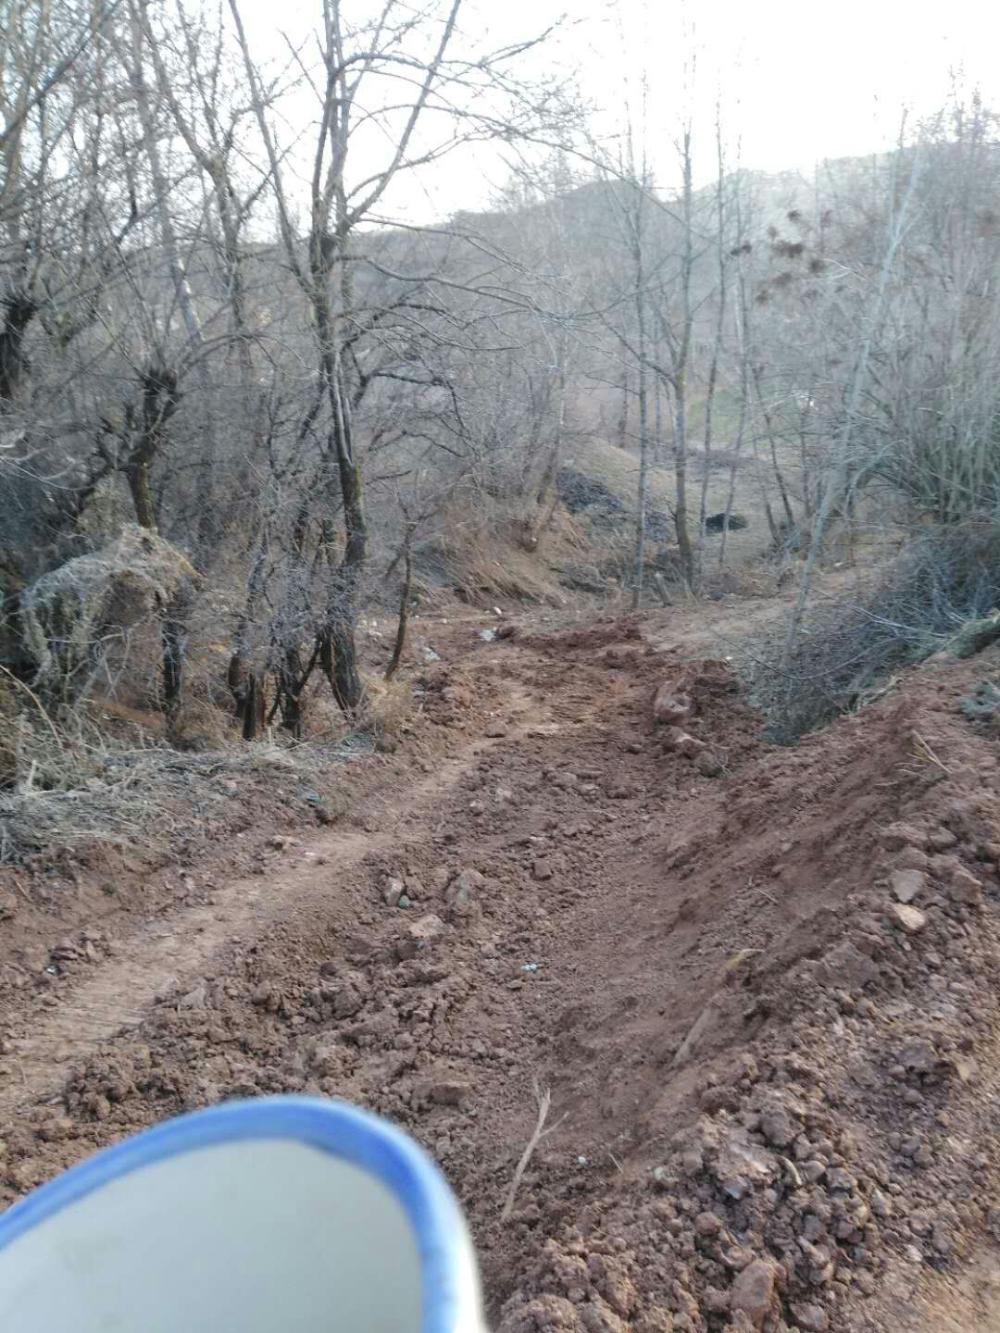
701 969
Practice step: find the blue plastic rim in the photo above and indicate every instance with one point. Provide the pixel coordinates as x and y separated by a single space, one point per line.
334 1127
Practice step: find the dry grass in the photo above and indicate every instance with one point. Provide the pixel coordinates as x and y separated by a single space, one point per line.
918 604
141 797
481 556
79 618
389 705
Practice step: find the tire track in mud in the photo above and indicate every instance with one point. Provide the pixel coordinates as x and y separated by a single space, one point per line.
168 950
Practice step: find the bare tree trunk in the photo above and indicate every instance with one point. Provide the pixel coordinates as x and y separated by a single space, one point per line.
174 631
240 671
773 445
643 495
643 374
19 310
834 490
338 651
658 449
734 462
208 516
720 323
293 678
404 613
159 401
680 372
621 431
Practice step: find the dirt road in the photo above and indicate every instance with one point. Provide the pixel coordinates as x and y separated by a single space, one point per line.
691 950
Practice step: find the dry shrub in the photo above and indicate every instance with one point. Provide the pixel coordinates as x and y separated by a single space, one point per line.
10 712
119 796
483 558
74 617
389 705
739 581
943 580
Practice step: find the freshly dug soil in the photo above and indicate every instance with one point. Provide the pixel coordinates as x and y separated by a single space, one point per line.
760 985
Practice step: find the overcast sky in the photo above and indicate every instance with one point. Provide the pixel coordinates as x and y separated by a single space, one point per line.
798 82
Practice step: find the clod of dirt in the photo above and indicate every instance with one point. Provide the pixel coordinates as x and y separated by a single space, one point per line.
754 1292
464 891
961 884
778 1127
811 1318
681 742
420 935
345 993
900 835
669 706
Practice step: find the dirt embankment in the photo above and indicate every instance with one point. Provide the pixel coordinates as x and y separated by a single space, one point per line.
760 984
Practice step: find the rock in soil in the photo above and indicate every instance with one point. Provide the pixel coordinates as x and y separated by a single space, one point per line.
909 919
906 885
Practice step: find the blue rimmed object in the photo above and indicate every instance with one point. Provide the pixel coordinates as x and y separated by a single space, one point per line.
283 1213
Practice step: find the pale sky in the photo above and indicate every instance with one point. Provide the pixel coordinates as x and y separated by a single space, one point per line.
798 82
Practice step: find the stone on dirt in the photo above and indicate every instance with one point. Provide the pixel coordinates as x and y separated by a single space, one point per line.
464 889
918 1056
900 835
846 965
941 839
912 858
906 885
426 929
964 887
392 890
448 1092
909 919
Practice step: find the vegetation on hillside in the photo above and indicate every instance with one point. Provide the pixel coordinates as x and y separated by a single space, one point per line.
244 404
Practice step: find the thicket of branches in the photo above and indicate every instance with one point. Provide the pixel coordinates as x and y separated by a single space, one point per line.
217 328
941 592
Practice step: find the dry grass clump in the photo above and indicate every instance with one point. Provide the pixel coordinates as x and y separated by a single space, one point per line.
77 615
389 705
141 797
483 557
919 604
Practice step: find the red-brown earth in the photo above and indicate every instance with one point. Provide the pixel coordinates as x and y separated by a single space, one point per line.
760 984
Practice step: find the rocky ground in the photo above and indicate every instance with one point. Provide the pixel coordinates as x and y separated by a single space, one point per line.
758 985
